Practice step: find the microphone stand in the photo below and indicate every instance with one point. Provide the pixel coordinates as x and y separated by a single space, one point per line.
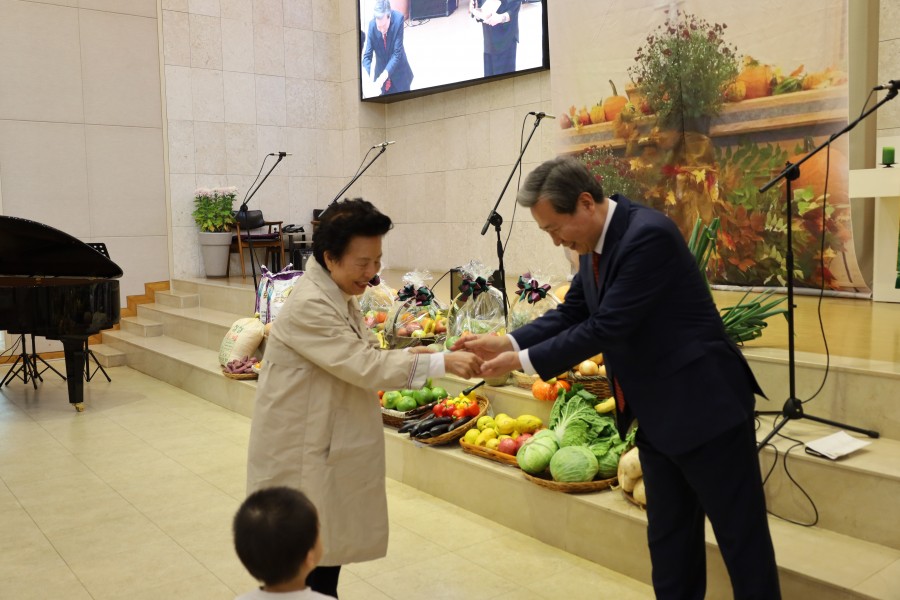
793 407
242 213
383 147
496 220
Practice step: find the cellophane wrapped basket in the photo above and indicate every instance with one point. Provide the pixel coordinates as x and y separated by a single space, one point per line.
533 299
415 318
375 304
479 306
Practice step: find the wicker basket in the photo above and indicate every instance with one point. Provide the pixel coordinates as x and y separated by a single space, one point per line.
524 381
395 418
586 487
239 375
595 384
451 436
494 455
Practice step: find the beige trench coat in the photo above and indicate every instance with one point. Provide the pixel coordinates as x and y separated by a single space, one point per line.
317 422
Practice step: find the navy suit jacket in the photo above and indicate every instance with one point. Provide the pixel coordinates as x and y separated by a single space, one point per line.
502 37
662 338
392 58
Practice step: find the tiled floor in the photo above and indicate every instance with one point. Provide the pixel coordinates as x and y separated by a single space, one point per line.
133 499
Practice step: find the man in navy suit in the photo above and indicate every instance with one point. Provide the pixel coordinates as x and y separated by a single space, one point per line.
640 299
385 40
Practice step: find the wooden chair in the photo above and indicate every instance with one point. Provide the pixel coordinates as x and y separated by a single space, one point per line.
252 228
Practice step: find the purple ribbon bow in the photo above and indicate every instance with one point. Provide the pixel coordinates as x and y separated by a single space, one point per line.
470 287
423 295
530 290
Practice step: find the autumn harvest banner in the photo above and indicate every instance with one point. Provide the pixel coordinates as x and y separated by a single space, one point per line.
691 106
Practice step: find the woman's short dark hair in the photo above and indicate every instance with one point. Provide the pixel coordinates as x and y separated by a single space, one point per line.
560 180
344 221
274 530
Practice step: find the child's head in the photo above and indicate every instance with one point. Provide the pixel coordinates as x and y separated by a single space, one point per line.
276 535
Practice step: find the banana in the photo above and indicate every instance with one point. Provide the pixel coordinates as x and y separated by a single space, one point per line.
606 406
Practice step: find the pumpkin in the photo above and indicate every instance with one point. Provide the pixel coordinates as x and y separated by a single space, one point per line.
549 390
812 173
613 105
757 79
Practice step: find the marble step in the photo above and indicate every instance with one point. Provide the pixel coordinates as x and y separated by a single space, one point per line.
140 326
177 299
198 325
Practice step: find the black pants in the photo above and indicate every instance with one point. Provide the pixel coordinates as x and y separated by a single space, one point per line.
324 580
720 479
501 62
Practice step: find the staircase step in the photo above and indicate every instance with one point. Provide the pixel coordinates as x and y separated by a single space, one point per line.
607 529
186 366
177 299
108 356
225 295
141 326
201 326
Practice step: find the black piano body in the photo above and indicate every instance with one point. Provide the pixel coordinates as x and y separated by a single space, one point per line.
58 287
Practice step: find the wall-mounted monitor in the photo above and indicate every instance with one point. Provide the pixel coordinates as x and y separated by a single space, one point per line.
409 48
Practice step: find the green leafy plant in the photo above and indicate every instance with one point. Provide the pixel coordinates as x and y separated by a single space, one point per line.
684 68
745 320
213 209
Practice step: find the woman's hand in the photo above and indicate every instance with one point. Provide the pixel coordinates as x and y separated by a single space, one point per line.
485 346
501 365
463 364
420 350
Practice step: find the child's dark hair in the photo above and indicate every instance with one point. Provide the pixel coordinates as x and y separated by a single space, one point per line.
274 530
342 222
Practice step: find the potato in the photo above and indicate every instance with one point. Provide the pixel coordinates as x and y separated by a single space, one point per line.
588 368
639 493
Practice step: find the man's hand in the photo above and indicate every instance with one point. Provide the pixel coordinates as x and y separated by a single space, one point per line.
495 19
382 78
464 364
485 346
501 365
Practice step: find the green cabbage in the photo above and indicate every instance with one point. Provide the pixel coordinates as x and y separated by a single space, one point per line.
535 454
575 420
573 464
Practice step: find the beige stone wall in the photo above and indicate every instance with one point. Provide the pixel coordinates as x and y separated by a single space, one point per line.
81 140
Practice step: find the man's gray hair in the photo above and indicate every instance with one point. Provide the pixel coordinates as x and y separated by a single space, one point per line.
560 181
382 7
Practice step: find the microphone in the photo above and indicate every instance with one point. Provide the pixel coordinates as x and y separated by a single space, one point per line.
383 144
893 85
541 115
280 154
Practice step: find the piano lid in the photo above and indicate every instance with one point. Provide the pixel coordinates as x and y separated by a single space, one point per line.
32 249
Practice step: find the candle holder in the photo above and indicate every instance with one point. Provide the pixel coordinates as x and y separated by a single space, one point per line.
887 156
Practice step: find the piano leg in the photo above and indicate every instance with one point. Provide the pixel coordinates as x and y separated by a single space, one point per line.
74 351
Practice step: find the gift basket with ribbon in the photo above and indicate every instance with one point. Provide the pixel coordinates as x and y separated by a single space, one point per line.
479 306
415 317
533 299
375 304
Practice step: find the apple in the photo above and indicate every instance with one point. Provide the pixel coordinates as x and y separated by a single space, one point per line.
508 446
520 441
565 122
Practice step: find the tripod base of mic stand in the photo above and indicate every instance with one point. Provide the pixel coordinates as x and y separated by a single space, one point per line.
793 409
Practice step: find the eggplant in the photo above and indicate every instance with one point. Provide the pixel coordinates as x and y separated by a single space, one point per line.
408 425
439 429
459 423
428 426
422 425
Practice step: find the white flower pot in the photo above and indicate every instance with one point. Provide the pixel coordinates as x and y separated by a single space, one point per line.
215 248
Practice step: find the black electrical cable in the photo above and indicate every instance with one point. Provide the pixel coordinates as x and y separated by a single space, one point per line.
512 220
797 443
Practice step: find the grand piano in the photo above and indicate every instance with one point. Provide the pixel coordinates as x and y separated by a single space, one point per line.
54 285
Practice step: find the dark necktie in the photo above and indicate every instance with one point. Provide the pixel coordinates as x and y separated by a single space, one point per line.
387 84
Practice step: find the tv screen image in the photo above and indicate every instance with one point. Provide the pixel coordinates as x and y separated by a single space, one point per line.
410 48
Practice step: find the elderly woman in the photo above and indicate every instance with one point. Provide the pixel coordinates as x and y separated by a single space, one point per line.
316 423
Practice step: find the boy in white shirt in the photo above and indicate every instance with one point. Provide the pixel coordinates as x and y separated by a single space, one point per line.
276 536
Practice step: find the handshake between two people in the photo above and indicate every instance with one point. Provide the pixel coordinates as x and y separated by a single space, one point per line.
482 356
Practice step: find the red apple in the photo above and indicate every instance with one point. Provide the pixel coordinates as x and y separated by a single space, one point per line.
508 446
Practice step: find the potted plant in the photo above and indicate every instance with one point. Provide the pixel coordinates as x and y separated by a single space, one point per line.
213 215
683 71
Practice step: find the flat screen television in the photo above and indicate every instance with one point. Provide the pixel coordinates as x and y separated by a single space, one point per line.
410 48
